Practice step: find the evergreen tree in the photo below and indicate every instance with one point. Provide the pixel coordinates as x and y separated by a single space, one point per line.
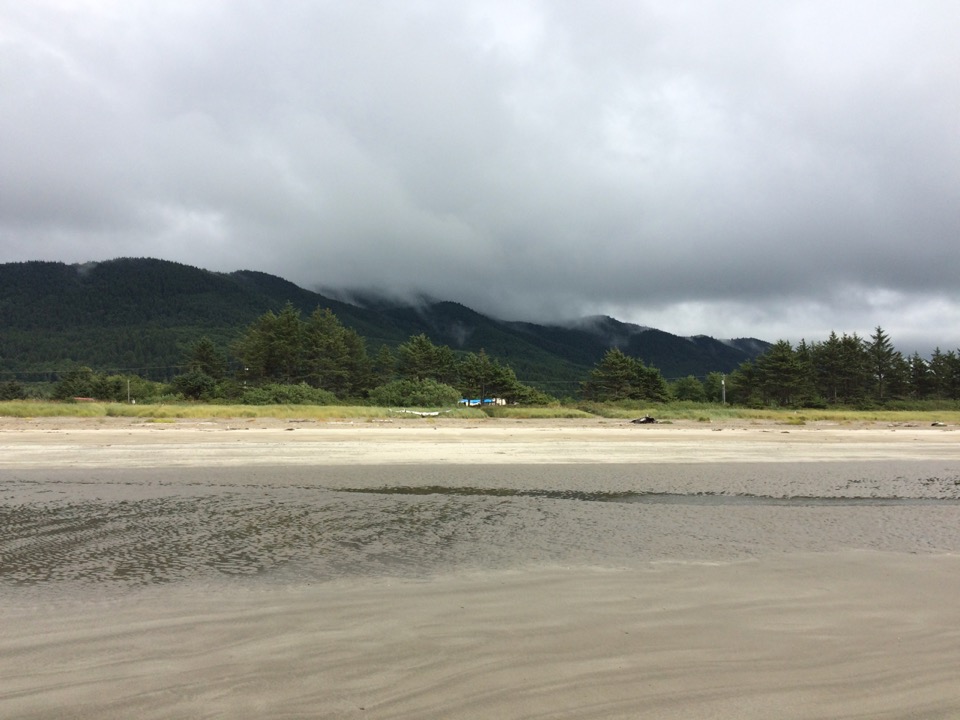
882 358
953 375
714 387
384 366
742 385
650 384
808 371
271 348
921 379
326 353
420 359
612 379
854 369
255 348
620 377
781 375
898 378
828 367
362 378
287 343
483 377
688 388
204 357
945 374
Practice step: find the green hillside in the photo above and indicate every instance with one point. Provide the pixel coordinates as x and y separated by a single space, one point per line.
139 314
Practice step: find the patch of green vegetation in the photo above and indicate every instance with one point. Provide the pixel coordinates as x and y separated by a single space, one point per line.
536 413
32 408
665 413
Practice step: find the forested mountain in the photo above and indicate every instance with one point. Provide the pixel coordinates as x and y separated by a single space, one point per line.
141 314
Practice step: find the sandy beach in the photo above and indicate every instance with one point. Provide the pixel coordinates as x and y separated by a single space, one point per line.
424 568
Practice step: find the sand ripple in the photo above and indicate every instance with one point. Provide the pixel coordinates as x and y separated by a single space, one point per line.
134 529
352 589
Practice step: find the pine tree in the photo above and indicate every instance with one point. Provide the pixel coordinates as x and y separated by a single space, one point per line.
326 353
384 366
780 374
921 379
828 367
882 358
288 345
204 357
484 377
420 359
612 378
620 377
854 368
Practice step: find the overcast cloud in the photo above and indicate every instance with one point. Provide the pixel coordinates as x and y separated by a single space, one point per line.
737 168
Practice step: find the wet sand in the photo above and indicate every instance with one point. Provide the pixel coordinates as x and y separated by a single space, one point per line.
436 569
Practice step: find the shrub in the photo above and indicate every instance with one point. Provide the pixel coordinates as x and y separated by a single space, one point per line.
77 382
194 385
277 394
526 395
688 388
414 393
12 390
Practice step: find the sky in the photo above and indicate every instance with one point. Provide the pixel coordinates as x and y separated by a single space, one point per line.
737 168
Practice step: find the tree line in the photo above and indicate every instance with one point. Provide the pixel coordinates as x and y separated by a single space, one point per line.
283 357
844 370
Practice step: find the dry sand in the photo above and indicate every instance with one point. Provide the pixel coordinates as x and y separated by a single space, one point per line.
553 569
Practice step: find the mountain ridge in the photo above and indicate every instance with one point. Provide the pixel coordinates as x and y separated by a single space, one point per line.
131 313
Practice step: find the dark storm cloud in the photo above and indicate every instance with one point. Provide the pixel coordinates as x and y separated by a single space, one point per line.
733 168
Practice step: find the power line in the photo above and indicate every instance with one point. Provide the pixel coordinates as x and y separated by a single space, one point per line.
106 371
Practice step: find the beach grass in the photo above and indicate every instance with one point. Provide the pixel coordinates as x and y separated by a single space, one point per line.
666 412
718 413
28 408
